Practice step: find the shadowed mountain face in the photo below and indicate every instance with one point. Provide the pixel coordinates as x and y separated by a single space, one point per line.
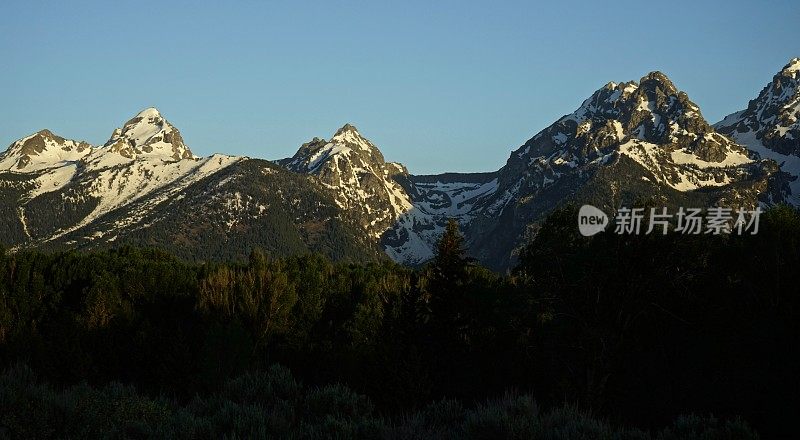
148 133
40 150
633 142
364 183
627 142
770 125
145 187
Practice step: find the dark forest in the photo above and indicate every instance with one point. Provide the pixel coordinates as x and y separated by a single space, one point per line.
613 336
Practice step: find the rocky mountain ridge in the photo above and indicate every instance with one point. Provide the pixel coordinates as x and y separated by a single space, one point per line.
57 193
627 142
770 125
355 169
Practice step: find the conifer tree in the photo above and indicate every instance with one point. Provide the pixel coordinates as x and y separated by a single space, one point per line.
448 276
450 261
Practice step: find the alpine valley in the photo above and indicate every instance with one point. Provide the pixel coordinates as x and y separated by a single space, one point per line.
632 142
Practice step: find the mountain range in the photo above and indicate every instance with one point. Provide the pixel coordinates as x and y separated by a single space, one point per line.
628 142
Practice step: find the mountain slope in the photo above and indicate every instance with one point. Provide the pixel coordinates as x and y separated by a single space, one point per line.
148 134
364 183
145 187
40 150
770 125
223 215
436 199
628 142
67 185
405 213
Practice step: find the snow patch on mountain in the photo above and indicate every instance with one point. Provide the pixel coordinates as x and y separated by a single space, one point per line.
42 150
650 122
770 125
118 186
413 238
54 179
145 161
331 150
149 134
682 170
732 159
349 135
788 163
355 170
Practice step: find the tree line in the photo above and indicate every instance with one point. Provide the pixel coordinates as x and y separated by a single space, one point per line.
636 330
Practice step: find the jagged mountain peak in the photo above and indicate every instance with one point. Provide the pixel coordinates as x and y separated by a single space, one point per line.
785 86
626 142
786 78
45 132
42 149
149 112
773 116
658 81
148 134
350 136
346 128
654 93
652 110
150 116
641 138
770 125
347 145
792 68
648 129
354 168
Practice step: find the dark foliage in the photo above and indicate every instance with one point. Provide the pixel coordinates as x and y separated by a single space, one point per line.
635 330
272 404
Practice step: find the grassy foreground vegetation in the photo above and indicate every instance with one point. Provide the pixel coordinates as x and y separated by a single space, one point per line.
272 404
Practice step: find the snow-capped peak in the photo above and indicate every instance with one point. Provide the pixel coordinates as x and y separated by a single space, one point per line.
355 169
651 109
149 112
774 114
657 80
42 149
145 162
650 122
350 136
347 143
347 128
149 134
770 125
792 68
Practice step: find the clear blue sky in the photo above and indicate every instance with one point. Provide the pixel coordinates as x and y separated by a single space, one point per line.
439 86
